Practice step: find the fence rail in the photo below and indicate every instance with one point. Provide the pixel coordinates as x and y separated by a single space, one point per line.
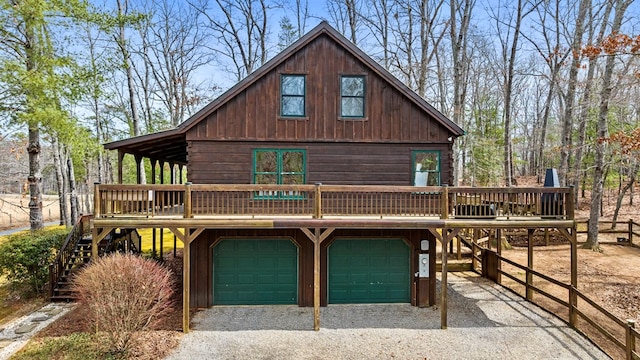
318 201
630 228
626 344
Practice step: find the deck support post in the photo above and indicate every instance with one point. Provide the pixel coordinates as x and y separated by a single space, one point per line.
186 280
443 281
317 237
316 280
529 276
573 298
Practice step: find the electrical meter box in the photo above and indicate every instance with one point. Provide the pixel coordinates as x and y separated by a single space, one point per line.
423 267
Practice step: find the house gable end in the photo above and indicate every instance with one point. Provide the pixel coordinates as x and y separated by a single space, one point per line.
254 112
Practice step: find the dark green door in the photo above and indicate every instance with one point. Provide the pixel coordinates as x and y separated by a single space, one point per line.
255 271
369 271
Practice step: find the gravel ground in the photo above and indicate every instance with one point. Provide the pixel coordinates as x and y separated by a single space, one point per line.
485 322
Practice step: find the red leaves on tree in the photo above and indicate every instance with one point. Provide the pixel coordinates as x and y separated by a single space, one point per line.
628 142
613 44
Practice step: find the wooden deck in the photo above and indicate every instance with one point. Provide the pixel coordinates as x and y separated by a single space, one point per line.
318 210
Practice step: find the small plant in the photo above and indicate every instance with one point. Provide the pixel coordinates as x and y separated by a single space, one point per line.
25 258
125 294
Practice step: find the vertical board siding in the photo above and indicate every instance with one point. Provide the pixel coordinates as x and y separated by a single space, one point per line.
254 113
202 258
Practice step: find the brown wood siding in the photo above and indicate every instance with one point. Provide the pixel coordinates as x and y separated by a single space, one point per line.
202 259
226 162
254 113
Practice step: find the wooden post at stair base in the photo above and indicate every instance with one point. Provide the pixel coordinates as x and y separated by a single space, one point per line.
186 280
443 281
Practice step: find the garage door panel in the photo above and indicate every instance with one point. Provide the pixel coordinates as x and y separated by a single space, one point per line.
255 271
369 271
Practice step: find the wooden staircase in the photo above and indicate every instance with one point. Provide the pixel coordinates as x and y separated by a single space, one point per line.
76 252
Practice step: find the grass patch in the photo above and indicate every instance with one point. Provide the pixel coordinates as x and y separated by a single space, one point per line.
77 346
147 240
4 238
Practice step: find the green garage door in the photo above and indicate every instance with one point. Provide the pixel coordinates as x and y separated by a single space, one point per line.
254 271
369 271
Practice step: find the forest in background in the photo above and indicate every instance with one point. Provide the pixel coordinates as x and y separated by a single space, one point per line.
535 83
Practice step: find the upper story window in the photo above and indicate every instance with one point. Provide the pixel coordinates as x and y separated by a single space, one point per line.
426 168
292 90
352 92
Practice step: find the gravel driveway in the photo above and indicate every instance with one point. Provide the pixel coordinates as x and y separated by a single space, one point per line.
485 322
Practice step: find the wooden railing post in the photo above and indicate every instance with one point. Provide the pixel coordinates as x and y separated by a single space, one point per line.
631 339
187 200
96 200
317 205
445 202
569 204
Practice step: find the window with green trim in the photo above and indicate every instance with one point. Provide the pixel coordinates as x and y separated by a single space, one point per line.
292 90
426 167
279 166
352 93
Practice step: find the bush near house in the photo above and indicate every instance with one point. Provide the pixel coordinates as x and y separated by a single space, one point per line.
25 258
125 294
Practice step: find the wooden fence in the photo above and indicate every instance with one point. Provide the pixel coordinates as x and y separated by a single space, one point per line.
623 334
629 228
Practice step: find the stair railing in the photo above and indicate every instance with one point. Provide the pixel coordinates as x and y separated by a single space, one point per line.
57 268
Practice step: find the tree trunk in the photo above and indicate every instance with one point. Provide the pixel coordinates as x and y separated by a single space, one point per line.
57 164
508 148
73 195
578 174
632 179
601 132
567 123
35 179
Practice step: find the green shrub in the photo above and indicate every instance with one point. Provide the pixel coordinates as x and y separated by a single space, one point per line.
25 258
125 295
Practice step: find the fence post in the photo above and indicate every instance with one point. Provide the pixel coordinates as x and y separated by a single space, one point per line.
630 232
317 205
445 202
631 339
187 200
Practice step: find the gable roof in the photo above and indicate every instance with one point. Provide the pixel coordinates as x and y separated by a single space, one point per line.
155 145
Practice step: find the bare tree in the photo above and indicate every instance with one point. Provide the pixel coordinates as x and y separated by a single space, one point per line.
460 12
241 29
377 19
601 131
549 22
567 123
587 95
173 51
508 31
345 17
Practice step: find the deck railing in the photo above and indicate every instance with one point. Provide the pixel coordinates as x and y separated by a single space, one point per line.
320 201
